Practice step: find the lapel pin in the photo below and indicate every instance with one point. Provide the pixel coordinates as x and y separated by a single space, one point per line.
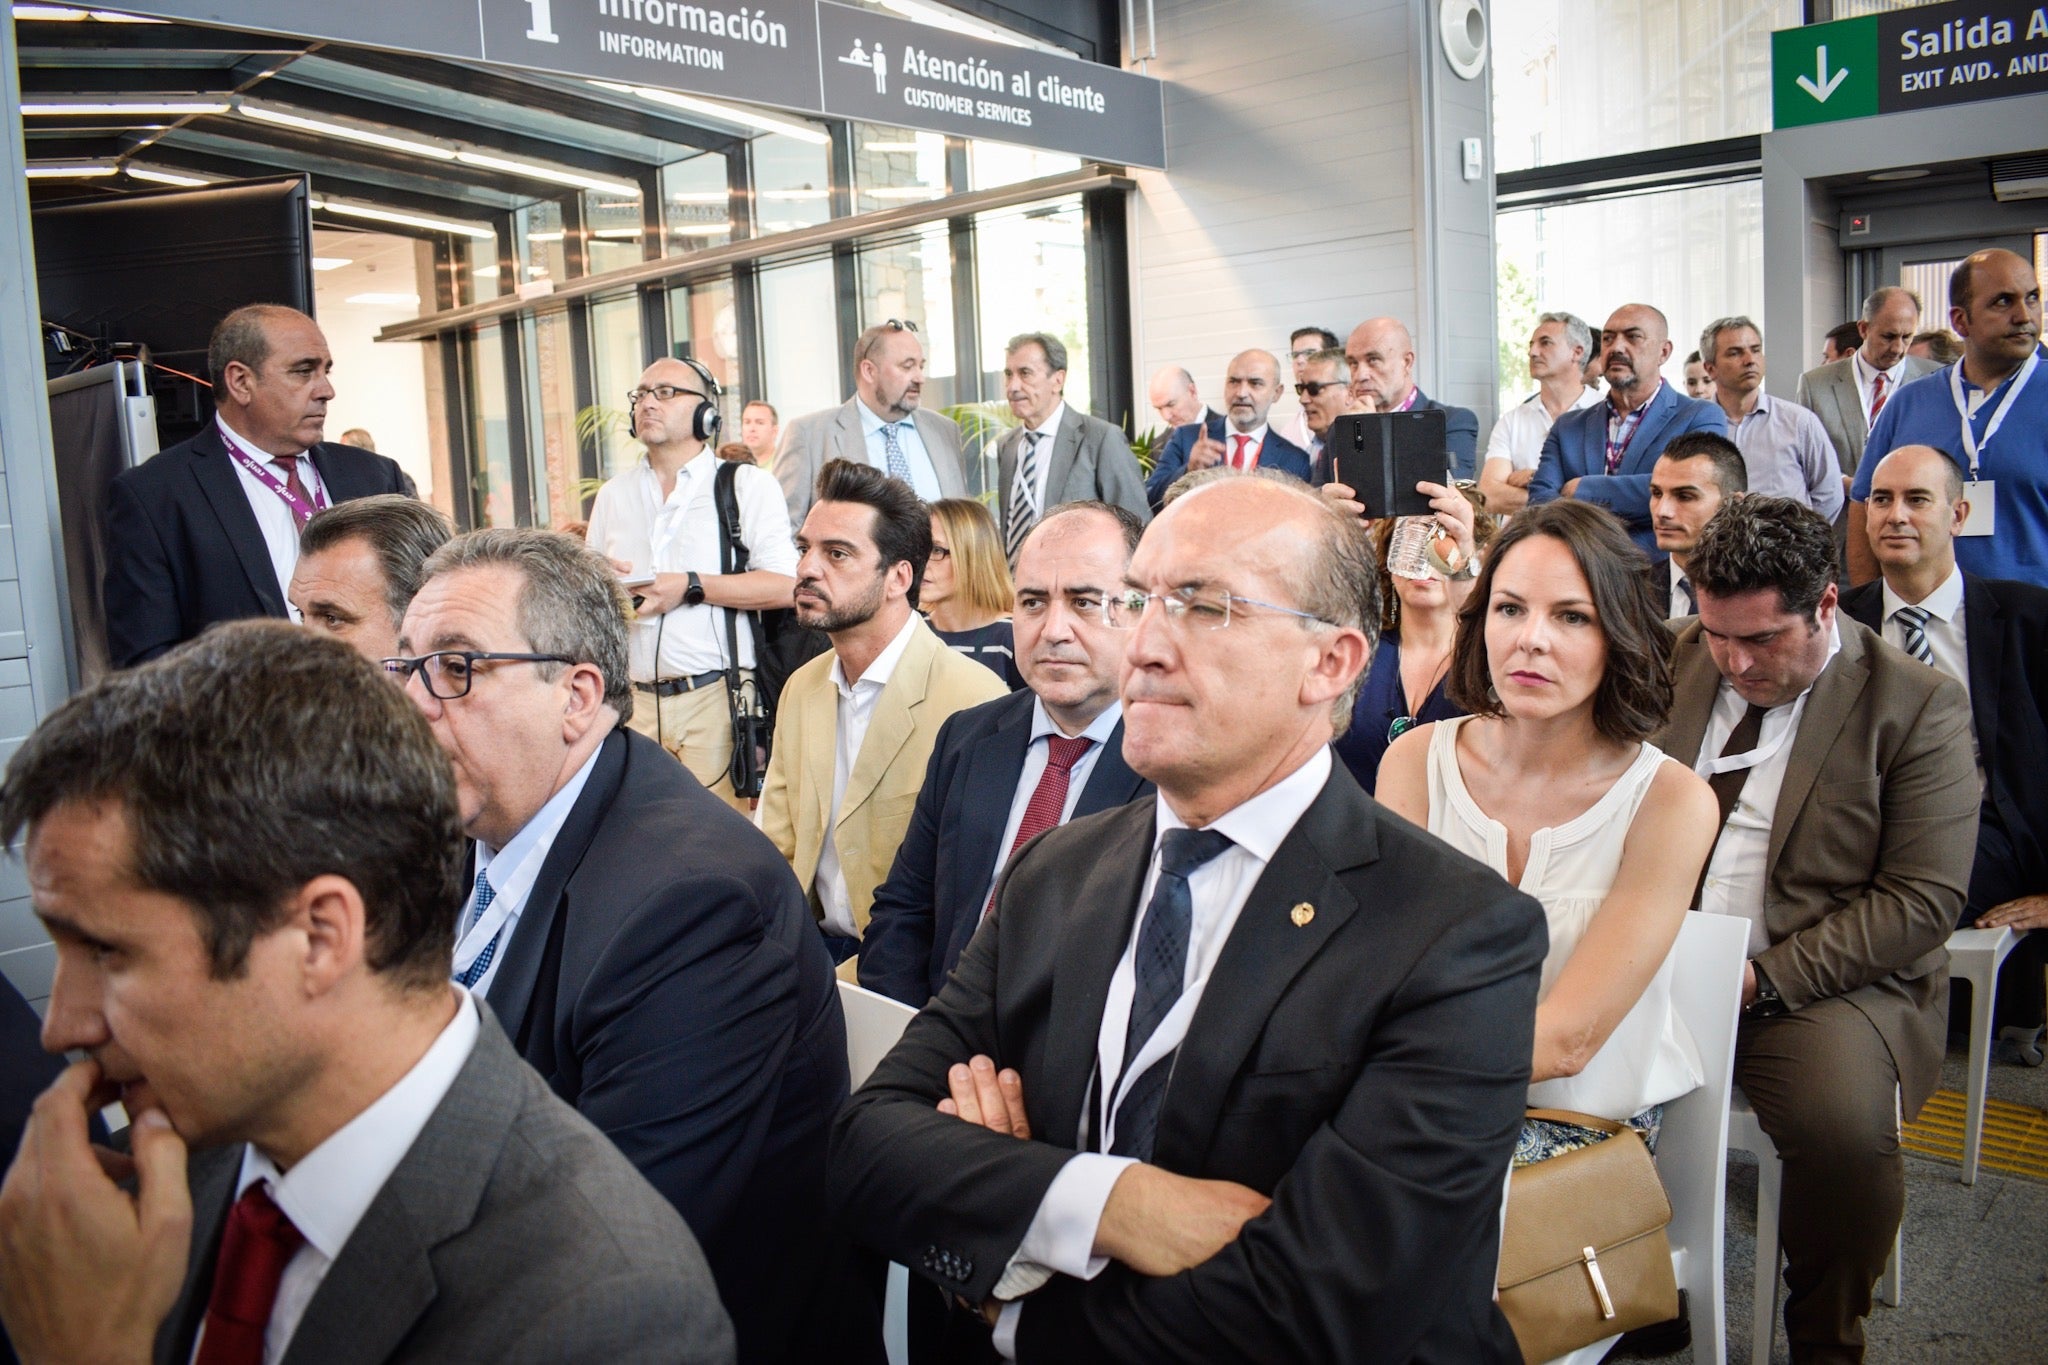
1302 914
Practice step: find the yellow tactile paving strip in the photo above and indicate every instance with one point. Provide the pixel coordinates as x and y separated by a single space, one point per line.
2015 1135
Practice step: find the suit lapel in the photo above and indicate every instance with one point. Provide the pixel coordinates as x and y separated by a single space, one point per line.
1827 711
215 472
213 1189
1655 418
1007 451
1849 408
1984 643
1266 950
1066 449
848 443
340 474
511 993
1111 783
1695 682
987 785
894 719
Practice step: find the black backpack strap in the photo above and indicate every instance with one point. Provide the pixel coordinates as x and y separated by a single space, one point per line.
732 552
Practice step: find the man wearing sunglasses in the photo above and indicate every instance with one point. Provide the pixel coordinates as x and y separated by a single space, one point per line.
883 425
645 947
1324 388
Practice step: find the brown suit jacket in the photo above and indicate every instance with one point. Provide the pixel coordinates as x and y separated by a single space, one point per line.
1871 842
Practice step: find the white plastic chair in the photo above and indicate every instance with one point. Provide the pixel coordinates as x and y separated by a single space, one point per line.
1747 1135
1975 956
873 1024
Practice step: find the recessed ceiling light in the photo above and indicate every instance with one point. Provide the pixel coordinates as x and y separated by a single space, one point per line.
346 132
385 300
64 15
66 108
331 262
161 177
699 229
377 215
490 162
70 170
728 113
1909 173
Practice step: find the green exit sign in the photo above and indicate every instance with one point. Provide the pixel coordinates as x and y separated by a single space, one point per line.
1915 58
1824 72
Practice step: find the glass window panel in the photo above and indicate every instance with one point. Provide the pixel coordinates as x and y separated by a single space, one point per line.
895 166
484 270
551 401
800 337
701 316
537 245
613 230
990 164
491 482
617 358
696 204
792 183
911 279
1697 254
1031 271
1578 79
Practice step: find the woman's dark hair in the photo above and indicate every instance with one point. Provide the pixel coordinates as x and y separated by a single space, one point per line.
903 523
1634 696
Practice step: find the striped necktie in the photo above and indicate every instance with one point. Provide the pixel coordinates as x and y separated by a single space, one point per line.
1913 632
485 894
1023 498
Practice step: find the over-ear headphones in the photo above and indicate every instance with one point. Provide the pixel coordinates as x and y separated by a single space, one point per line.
705 421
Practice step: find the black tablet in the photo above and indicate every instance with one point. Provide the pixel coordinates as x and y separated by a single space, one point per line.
1383 455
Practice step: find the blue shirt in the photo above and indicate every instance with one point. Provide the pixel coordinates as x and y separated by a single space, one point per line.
924 475
2016 460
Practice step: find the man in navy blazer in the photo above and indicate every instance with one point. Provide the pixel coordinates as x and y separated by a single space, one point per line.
209 529
1604 454
647 950
1054 750
1382 356
1991 635
1243 441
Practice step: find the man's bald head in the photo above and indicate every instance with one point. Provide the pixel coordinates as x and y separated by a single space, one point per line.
1913 515
1995 306
1382 356
1172 395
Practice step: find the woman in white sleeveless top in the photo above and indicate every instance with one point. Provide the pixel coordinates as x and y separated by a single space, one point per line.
1561 659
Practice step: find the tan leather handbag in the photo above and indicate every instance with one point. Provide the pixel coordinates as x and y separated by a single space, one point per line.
1583 1255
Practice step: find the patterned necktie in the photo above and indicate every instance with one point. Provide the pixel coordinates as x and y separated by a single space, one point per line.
1023 498
1049 797
301 510
1876 398
892 449
1238 459
1913 632
257 1245
1692 602
485 894
1162 963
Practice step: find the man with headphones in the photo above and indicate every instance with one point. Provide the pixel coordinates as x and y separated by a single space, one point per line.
658 524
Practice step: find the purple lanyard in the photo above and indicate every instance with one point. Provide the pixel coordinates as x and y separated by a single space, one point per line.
1618 441
302 511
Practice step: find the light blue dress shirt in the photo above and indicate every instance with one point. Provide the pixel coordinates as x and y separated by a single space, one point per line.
924 475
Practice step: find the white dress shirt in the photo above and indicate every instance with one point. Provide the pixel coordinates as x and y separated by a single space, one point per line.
273 515
856 709
630 520
1295 429
1944 628
1519 434
1255 441
1061 1238
1738 871
1037 756
1048 431
1679 604
514 869
924 475
1866 380
327 1193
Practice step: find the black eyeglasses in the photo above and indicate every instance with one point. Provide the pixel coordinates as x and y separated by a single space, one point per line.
1314 388
448 673
667 393
900 325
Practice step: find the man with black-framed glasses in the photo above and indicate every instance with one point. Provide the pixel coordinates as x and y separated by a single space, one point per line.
658 524
883 426
644 946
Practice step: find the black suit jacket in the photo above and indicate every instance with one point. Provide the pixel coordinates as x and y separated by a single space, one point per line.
184 549
1367 1067
932 901
2005 633
667 979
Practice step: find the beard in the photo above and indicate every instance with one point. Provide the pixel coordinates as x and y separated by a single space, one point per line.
835 616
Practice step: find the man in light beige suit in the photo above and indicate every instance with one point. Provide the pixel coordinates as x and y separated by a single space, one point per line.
855 727
1849 806
1847 394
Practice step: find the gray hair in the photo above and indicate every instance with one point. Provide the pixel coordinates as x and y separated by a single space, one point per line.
1710 339
1878 298
401 531
1333 356
1055 349
571 602
1576 332
240 337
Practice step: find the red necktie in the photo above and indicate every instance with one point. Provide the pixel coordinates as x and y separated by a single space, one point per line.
1237 457
259 1242
298 489
1876 398
1049 800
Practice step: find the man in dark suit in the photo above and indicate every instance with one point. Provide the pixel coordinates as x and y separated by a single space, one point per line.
1056 454
1234 1073
1604 454
374 1175
209 529
1004 772
1849 809
1990 635
1242 441
1693 476
646 948
1381 352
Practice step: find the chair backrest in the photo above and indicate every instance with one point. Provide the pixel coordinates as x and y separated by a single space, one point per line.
873 1024
1692 1147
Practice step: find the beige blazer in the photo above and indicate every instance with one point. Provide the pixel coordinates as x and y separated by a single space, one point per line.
1871 842
930 683
1830 390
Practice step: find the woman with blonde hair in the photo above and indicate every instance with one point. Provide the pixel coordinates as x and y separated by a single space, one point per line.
967 593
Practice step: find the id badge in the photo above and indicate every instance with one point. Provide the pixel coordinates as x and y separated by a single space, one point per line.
1982 497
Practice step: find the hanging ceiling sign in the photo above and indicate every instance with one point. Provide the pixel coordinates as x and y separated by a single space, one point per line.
1915 58
810 56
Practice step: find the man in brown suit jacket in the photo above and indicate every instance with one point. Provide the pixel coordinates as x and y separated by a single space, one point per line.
1849 807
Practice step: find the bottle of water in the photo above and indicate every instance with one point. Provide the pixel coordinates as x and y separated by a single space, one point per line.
1408 552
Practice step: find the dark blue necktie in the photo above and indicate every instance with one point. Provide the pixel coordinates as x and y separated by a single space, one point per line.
485 894
1162 964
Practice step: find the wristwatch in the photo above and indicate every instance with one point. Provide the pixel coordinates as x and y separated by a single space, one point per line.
1768 1004
693 596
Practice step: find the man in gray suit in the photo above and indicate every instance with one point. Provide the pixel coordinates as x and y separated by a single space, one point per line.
1847 394
881 425
253 905
1055 453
